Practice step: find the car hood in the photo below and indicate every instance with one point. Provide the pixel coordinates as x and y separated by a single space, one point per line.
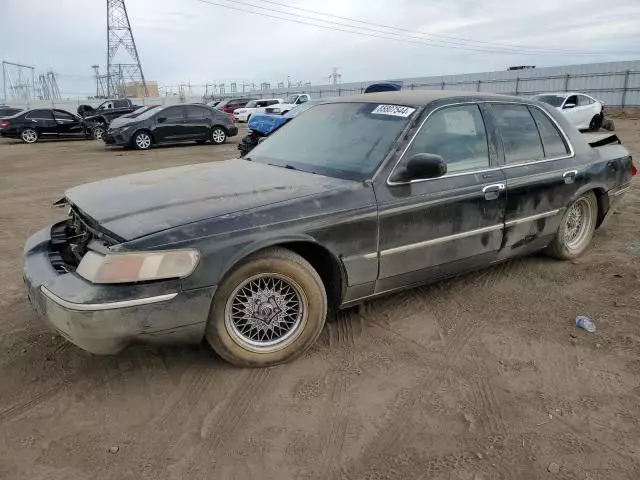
136 205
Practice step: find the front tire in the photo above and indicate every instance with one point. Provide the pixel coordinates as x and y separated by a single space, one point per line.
142 141
269 310
99 131
576 229
218 136
29 135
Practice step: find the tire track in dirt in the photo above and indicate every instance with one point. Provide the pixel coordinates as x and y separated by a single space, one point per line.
400 421
221 424
189 392
489 406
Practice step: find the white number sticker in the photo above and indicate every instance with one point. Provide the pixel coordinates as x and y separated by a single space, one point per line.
395 110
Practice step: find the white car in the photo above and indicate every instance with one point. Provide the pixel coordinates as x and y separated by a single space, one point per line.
243 114
582 111
290 102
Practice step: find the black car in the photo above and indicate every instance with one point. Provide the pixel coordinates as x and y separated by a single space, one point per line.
6 111
31 125
358 197
176 123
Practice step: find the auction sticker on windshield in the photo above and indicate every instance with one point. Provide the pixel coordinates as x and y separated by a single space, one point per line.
395 110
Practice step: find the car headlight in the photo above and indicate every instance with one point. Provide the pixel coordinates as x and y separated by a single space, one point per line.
137 266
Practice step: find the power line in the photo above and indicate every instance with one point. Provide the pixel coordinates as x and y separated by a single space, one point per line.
435 35
365 31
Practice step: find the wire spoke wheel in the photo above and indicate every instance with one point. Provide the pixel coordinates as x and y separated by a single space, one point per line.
577 224
266 312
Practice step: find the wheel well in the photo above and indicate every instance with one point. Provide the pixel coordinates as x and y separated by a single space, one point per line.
603 205
146 130
327 266
217 125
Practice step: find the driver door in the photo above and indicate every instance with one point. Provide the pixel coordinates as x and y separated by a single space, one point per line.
433 228
68 125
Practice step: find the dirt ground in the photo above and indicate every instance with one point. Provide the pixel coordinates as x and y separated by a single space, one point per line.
482 377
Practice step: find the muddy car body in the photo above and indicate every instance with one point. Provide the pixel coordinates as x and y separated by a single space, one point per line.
251 254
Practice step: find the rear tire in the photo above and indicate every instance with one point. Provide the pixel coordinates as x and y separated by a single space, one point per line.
218 136
576 229
269 310
595 123
142 141
29 135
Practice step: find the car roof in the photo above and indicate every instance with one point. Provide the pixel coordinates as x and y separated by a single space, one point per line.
563 94
420 98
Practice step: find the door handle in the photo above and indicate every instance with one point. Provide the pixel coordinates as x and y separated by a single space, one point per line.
570 176
491 192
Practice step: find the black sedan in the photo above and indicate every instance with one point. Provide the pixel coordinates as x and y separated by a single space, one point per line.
359 197
176 123
34 124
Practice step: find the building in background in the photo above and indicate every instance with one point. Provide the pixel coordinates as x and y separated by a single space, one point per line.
136 89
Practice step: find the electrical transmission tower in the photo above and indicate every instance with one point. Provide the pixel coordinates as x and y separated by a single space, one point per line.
19 82
335 77
119 34
49 86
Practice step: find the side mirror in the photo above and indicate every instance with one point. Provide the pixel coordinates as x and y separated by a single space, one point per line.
162 119
569 105
421 166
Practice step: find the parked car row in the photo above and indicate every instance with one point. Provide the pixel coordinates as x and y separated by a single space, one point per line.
350 200
141 129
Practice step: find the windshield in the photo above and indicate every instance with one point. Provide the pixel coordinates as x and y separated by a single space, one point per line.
151 110
291 99
553 100
344 140
251 104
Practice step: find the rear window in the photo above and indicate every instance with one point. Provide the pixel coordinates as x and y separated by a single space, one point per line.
519 132
553 100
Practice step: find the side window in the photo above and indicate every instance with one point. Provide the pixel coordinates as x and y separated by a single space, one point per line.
61 115
552 141
196 113
120 104
40 115
583 101
520 136
172 114
458 135
302 99
572 100
271 102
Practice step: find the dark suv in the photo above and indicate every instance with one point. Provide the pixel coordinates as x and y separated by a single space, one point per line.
175 123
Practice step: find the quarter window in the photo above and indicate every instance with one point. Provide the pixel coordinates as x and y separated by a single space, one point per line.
520 136
583 101
552 141
458 135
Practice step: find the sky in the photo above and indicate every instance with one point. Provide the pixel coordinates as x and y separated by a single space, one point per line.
191 41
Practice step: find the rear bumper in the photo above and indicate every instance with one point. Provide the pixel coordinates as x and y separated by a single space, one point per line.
104 319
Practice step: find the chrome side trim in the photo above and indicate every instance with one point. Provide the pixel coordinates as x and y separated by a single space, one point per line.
93 307
474 172
435 241
532 218
620 191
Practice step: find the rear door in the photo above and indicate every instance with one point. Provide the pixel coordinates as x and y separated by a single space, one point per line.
197 123
437 227
43 121
542 175
68 125
169 124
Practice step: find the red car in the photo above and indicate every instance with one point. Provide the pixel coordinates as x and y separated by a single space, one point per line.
228 106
